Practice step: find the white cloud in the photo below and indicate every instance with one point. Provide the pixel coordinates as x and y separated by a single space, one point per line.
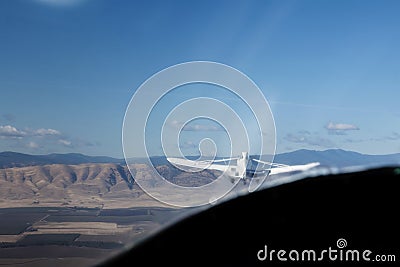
44 132
65 142
61 3
175 124
188 144
32 145
9 131
201 127
296 138
341 127
40 138
196 127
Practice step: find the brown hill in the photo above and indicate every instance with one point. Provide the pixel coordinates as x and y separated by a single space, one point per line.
187 179
64 184
85 185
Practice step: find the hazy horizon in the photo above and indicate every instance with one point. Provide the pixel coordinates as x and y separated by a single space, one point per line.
122 158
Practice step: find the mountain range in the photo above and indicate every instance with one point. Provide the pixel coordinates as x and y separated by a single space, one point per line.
336 158
13 159
331 157
60 184
80 180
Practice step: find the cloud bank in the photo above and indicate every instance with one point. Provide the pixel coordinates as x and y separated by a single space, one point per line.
9 131
196 127
38 139
341 127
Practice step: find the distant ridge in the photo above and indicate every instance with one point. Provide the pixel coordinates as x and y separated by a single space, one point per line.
13 159
330 157
337 158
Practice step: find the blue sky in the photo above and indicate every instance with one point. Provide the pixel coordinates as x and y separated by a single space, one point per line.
329 69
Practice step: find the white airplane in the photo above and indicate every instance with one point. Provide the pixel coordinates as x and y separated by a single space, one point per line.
240 170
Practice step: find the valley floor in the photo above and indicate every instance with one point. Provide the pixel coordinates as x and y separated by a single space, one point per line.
65 236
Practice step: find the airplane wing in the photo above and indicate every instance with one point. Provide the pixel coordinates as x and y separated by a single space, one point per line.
293 168
277 168
270 163
222 160
202 164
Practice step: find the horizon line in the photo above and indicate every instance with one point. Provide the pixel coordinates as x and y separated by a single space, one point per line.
122 158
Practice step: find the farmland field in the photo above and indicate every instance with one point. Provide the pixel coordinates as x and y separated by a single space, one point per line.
71 235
